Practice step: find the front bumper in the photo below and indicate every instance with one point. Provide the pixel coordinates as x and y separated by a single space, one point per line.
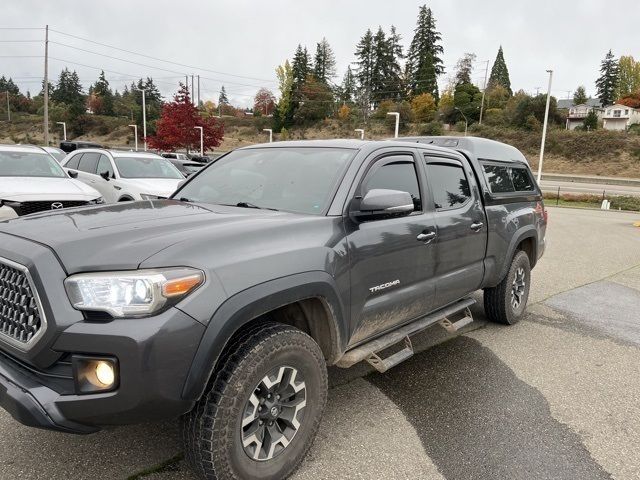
154 356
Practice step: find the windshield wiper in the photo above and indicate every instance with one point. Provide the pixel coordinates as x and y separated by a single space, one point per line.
249 205
185 199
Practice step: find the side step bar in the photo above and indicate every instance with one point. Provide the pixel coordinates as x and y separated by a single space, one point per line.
370 350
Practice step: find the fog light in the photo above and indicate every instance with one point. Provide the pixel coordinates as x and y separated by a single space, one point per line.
94 375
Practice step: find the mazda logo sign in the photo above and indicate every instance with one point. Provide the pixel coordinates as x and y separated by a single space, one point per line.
56 205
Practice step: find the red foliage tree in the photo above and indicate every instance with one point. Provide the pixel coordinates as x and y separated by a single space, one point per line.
264 102
175 127
632 100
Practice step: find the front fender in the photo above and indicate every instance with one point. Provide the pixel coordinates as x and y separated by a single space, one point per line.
245 306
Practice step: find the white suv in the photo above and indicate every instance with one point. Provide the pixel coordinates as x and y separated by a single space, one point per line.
32 181
121 176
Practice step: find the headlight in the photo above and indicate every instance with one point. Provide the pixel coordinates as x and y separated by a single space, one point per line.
96 201
146 196
134 293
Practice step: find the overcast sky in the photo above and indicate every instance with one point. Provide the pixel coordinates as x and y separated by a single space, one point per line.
249 38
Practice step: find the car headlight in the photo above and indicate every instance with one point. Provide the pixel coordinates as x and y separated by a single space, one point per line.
134 293
96 201
147 196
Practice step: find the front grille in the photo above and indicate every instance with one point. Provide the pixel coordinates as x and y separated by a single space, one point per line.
25 208
20 316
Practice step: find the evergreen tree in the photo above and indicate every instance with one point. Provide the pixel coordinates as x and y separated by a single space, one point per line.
394 82
500 73
348 87
300 67
102 90
424 62
591 121
580 96
364 70
8 86
464 68
324 66
222 98
68 90
607 84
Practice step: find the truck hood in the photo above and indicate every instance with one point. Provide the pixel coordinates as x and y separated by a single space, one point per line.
123 235
22 189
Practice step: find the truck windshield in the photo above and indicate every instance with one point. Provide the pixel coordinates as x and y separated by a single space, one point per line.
299 180
29 164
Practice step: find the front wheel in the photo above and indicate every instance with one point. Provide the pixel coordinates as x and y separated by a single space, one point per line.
506 302
262 410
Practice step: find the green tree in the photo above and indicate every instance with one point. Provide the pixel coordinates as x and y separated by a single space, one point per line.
497 97
464 68
500 73
580 96
102 91
628 77
300 67
222 98
324 65
347 91
316 102
7 85
283 114
68 90
364 70
467 98
424 62
607 83
591 121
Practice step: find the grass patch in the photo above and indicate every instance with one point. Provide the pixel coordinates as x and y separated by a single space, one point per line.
622 202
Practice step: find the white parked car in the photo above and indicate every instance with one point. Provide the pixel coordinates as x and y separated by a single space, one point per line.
32 181
56 153
123 175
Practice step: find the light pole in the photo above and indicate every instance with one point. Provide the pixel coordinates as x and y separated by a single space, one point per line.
361 131
201 140
144 117
397 115
135 134
64 130
270 133
466 122
8 107
544 126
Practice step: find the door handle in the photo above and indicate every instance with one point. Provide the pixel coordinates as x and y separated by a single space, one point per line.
426 237
476 227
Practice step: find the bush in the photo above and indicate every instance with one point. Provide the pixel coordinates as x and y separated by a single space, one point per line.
431 128
460 126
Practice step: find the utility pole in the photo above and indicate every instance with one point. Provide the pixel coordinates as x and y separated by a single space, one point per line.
193 91
484 90
46 86
8 107
201 140
538 91
198 91
144 116
544 127
135 134
397 115
186 82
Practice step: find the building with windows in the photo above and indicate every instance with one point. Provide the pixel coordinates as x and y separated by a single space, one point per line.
620 117
577 113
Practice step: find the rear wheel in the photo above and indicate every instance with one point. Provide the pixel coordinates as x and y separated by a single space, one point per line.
262 410
506 302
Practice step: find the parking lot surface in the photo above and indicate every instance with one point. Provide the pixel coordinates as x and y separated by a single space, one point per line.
554 397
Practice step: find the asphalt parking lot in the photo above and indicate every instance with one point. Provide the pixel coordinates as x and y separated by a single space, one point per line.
554 397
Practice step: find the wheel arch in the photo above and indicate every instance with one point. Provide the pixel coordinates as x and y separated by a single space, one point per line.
525 239
308 301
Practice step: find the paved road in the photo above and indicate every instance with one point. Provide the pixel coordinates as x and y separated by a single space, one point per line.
589 188
554 397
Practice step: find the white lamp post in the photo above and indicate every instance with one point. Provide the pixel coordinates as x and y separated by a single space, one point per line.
135 134
64 130
397 115
361 132
270 133
144 117
544 126
201 140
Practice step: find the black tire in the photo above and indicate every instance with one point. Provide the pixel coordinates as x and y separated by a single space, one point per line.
213 431
500 301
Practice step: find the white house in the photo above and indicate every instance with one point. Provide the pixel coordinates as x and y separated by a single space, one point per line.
577 113
620 117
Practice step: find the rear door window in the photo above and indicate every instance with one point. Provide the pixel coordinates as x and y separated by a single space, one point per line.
73 162
89 162
449 185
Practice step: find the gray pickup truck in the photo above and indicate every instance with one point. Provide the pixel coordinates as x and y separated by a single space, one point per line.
224 304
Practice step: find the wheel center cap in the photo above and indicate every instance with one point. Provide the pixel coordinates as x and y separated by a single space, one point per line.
274 411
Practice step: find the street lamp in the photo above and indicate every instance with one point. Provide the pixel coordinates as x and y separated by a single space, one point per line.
201 140
397 115
135 134
544 126
64 130
144 116
8 107
270 133
466 122
361 131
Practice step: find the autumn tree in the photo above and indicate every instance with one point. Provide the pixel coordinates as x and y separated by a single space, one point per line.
628 76
101 96
500 73
631 100
264 102
175 128
283 113
424 107
580 96
607 83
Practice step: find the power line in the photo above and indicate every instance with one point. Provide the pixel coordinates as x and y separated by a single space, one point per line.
163 60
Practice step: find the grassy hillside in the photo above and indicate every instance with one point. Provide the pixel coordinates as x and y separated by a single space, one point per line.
602 152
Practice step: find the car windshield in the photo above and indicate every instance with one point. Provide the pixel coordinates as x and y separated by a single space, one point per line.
29 164
298 180
57 154
146 167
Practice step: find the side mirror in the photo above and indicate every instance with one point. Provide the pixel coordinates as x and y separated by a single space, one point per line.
72 174
380 203
105 175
